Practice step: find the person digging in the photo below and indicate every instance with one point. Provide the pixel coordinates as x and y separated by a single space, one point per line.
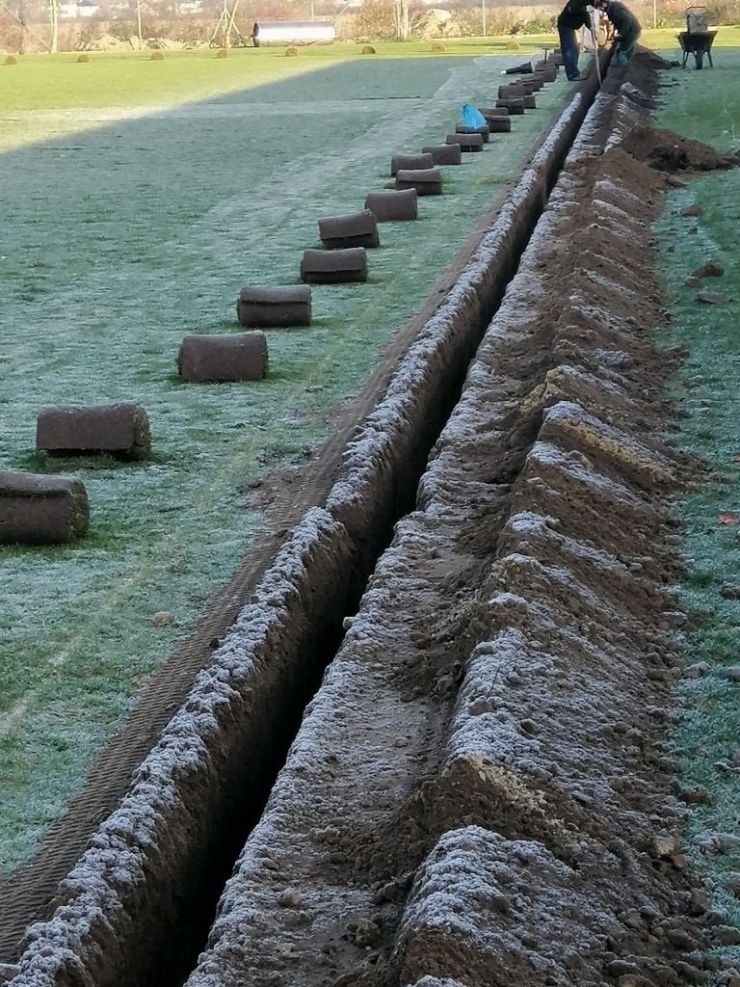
627 28
574 15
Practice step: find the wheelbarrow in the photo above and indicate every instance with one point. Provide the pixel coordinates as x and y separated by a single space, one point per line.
697 39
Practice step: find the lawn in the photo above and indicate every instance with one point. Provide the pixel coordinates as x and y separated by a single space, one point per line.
138 198
706 106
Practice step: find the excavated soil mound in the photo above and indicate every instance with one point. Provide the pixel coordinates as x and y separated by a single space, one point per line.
666 151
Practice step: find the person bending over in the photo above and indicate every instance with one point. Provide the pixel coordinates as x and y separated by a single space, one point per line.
573 16
626 26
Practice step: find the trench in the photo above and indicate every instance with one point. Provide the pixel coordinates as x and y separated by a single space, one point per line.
151 931
321 651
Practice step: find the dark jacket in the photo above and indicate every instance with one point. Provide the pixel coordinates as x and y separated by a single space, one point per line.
625 23
574 15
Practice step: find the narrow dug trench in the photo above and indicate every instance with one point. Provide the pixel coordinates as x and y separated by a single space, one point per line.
136 907
480 794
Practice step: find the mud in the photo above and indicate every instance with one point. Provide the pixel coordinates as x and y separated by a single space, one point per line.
123 914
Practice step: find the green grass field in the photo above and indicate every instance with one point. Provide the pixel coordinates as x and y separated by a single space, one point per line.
135 207
706 106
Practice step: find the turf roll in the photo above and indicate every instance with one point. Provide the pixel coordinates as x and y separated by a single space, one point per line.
334 266
223 357
358 229
444 154
514 106
499 125
467 142
121 429
41 510
393 205
410 162
533 82
274 307
493 111
483 130
512 91
427 181
522 91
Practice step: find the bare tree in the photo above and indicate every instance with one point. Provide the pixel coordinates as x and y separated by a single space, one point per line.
401 17
24 25
54 24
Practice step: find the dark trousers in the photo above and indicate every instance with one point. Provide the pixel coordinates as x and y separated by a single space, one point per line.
569 50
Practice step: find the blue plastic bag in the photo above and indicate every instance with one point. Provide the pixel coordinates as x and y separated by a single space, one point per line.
472 117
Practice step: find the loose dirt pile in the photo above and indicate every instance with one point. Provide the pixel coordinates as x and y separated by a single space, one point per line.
666 151
481 792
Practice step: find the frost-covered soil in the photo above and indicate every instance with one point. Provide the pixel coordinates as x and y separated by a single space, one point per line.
118 239
480 792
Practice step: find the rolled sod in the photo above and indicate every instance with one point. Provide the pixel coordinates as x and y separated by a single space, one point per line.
514 106
121 429
41 510
467 142
484 131
444 154
410 162
493 111
334 266
520 91
226 357
499 125
358 229
393 205
534 83
427 181
511 92
274 307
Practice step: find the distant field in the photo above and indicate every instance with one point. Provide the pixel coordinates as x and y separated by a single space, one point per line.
130 80
138 197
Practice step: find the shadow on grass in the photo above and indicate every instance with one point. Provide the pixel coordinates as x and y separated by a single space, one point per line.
48 463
